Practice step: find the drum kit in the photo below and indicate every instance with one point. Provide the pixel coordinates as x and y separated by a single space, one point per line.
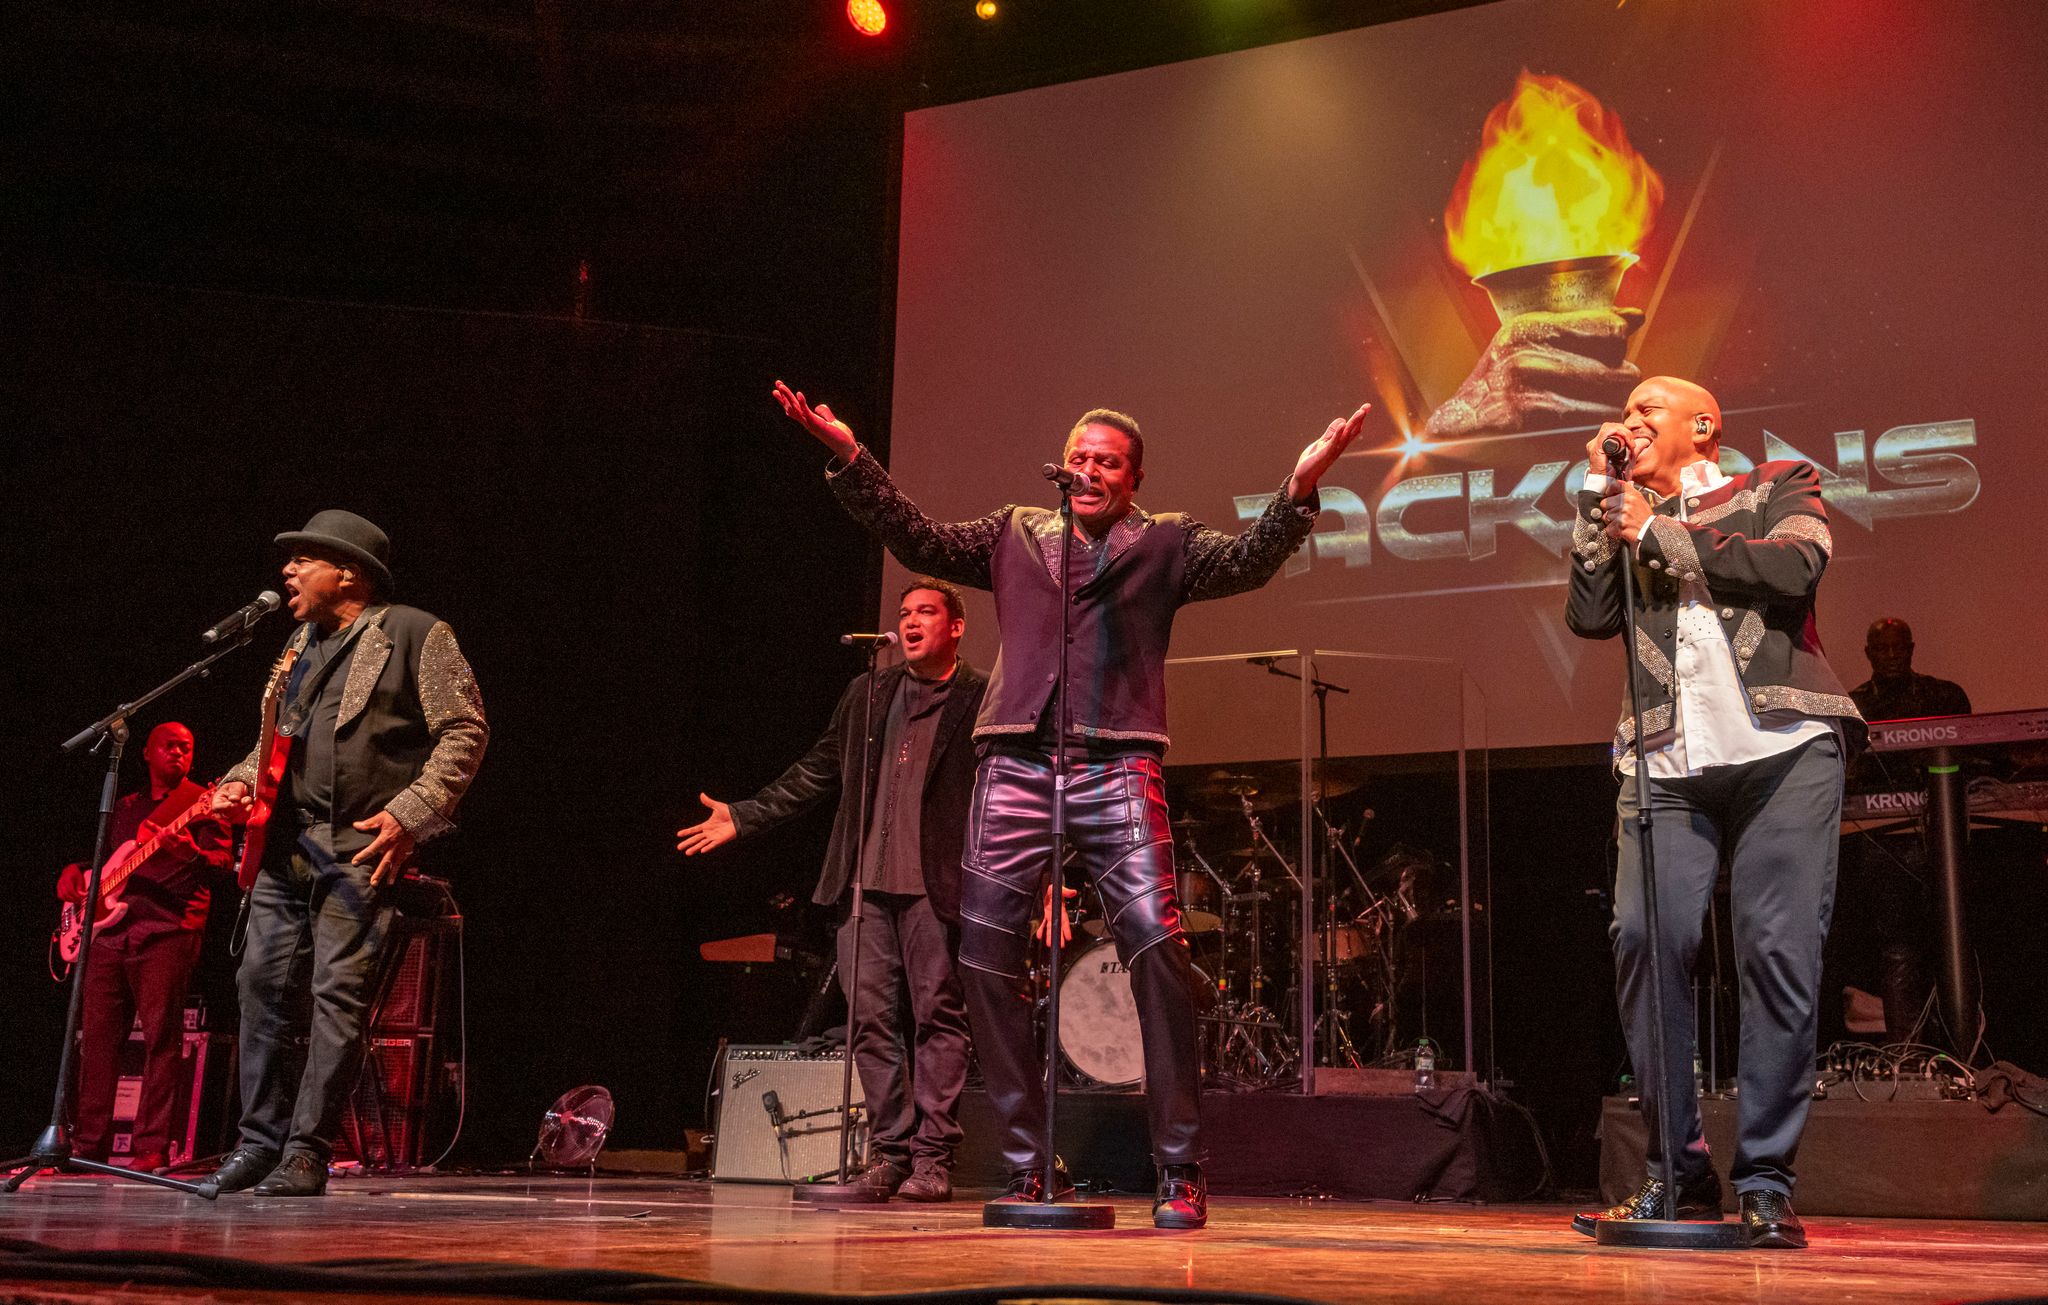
1240 900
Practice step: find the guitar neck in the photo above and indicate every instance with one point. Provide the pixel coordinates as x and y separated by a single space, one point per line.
112 879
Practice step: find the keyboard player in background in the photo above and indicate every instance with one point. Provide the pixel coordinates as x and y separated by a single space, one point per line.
1884 907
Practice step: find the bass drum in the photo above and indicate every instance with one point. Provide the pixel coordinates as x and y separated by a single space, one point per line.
1099 1016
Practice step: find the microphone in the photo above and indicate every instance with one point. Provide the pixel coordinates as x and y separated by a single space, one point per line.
1073 482
773 1105
243 619
885 639
1618 455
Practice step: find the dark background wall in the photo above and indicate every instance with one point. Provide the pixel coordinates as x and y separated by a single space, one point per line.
514 282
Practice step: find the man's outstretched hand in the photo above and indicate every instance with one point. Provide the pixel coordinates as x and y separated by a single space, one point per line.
1318 457
711 833
819 421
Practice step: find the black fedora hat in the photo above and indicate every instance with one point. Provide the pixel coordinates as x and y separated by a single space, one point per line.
354 538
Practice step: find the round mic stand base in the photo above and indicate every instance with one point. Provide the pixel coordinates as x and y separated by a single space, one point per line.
1057 1216
822 1194
1672 1234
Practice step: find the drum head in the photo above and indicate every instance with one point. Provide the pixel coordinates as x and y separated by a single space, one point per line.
1099 1018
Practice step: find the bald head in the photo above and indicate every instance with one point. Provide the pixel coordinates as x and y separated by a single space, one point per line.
168 754
1689 400
1671 424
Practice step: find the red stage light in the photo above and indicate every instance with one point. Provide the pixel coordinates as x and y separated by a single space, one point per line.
867 16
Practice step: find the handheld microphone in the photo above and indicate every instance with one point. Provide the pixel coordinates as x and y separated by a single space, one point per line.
773 1105
1618 455
885 639
243 619
1073 482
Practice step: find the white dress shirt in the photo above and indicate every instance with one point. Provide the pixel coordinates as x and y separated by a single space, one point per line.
1711 720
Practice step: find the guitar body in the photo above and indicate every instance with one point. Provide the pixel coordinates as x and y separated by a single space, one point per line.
273 753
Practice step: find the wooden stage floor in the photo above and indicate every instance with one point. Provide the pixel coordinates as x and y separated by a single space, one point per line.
749 1236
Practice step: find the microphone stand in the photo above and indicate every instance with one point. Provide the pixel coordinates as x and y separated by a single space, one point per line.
52 1148
1046 1212
845 1191
1666 1230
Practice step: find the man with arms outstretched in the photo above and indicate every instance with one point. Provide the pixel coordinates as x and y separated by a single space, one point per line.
1130 571
920 771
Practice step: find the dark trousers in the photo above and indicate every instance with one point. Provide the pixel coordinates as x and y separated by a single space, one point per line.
1776 820
149 982
1117 828
912 1087
316 931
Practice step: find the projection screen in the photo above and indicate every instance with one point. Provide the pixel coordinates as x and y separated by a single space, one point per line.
1821 211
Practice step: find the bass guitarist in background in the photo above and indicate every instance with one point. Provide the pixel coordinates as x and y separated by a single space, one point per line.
380 733
144 946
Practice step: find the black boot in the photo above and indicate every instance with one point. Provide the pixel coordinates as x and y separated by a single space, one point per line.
1698 1198
1182 1200
1027 1186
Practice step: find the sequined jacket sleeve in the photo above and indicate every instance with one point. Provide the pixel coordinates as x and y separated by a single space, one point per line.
453 707
1592 603
1219 565
959 552
1785 562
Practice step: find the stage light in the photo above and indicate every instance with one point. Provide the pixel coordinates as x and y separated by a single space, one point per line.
867 16
985 10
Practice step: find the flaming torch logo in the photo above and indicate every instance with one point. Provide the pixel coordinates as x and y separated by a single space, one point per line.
1547 216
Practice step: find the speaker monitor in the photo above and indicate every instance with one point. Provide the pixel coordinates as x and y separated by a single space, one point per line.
778 1116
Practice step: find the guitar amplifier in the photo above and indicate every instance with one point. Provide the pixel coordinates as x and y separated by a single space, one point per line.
777 1119
399 1105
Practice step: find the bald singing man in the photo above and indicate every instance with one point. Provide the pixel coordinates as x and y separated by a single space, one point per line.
1744 728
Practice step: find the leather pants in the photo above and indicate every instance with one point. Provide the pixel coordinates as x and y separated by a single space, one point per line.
1117 830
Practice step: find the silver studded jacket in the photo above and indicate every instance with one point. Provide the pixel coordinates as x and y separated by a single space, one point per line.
1760 542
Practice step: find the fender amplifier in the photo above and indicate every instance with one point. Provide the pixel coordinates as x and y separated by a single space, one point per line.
778 1116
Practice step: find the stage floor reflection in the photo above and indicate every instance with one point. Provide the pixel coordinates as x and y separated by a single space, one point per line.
752 1237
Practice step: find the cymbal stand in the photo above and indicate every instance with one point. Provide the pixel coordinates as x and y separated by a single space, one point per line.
1229 903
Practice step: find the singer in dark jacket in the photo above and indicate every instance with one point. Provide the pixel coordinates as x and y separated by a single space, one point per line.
1130 572
913 800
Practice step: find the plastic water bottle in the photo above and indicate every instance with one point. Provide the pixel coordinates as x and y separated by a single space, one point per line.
1425 1066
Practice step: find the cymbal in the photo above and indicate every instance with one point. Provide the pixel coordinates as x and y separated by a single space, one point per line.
1270 785
1200 921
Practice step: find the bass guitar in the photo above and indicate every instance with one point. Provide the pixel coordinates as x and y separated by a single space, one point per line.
125 861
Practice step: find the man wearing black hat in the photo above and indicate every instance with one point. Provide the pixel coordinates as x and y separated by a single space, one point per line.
388 730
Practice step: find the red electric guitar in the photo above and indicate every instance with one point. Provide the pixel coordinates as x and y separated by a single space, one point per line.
273 752
125 861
